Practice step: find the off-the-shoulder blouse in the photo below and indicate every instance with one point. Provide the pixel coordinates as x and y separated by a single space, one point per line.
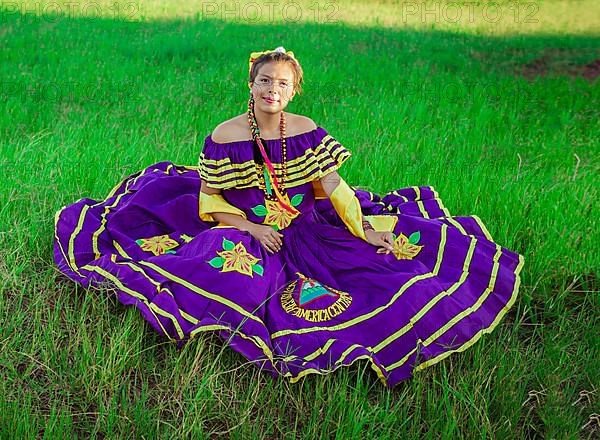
310 156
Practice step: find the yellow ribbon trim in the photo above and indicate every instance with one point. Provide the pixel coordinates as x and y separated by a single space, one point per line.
347 206
210 203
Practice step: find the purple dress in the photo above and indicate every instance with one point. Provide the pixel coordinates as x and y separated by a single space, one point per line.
326 299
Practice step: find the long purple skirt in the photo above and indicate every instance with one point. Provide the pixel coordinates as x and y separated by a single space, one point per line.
325 300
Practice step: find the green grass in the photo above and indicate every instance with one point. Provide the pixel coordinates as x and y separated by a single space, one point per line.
89 100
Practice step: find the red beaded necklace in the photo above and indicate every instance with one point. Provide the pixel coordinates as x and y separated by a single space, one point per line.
272 186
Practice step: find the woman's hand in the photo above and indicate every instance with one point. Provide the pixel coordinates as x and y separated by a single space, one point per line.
383 239
268 237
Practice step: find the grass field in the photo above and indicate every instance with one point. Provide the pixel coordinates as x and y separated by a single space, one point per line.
501 117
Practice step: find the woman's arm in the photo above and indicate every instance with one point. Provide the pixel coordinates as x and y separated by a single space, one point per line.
329 182
267 236
348 208
224 217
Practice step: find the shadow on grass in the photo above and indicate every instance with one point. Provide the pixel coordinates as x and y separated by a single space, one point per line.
57 46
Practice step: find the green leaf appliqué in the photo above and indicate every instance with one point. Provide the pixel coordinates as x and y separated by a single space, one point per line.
297 199
414 237
228 245
217 262
259 210
258 269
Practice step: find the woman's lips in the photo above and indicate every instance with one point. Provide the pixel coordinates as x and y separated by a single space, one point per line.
270 101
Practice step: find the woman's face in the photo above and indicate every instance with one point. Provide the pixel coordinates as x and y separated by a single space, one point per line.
273 87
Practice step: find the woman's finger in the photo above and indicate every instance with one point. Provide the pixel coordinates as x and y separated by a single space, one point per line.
267 248
274 240
273 236
277 238
267 244
385 244
273 244
388 237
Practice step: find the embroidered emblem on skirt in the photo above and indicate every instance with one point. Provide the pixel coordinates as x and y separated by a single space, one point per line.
308 299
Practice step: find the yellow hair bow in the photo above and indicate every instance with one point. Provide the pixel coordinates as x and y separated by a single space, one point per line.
254 55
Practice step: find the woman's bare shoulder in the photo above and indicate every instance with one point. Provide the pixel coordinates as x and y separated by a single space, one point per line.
298 124
230 131
236 129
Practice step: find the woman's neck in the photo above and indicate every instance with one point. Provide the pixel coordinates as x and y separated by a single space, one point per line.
268 124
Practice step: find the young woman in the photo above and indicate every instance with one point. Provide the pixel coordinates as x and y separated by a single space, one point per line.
265 243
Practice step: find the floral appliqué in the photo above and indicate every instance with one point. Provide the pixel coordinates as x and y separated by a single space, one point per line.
235 258
406 248
158 245
275 215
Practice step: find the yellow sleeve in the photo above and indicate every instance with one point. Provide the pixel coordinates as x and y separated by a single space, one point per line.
210 203
382 223
347 206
